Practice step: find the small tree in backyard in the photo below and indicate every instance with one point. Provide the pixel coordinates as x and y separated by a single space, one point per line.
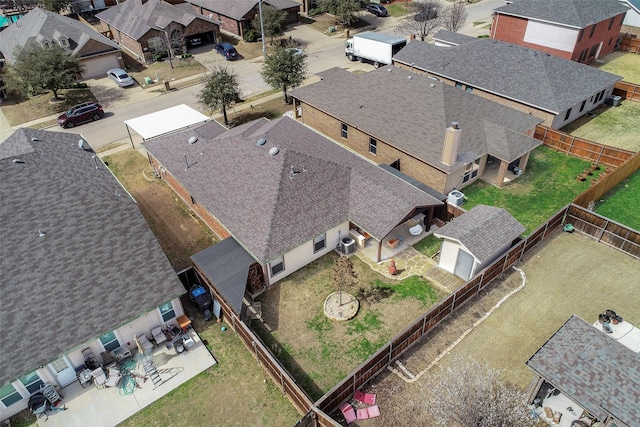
36 68
470 394
56 6
273 20
220 90
423 19
343 9
284 69
455 16
344 276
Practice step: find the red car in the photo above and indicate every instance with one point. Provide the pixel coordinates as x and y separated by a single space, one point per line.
85 112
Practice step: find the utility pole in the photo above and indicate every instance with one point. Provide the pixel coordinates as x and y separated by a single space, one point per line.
264 47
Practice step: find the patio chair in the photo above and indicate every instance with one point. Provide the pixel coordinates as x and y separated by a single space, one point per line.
348 412
365 398
99 377
114 378
362 413
145 343
158 335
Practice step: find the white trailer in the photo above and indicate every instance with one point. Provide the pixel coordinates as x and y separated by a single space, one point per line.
373 47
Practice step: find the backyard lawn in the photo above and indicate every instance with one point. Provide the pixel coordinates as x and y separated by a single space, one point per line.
624 64
617 127
622 204
319 352
548 184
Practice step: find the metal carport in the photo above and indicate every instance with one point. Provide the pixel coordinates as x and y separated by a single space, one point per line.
164 121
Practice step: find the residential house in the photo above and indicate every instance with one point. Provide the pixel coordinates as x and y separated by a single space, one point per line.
582 373
80 267
285 193
236 17
96 53
554 89
432 132
143 27
475 239
631 23
578 30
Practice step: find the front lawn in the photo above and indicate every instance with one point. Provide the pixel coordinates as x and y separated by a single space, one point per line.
548 184
20 110
162 71
617 127
622 203
625 64
396 9
318 351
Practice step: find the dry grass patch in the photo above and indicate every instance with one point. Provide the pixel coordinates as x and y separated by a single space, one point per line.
20 110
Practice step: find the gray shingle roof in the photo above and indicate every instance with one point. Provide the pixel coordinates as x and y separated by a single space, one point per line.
515 72
451 37
226 264
238 9
597 372
573 13
135 18
97 267
412 111
483 230
268 211
42 22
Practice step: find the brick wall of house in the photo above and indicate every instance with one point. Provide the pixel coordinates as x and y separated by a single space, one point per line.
547 117
199 26
507 28
204 215
358 141
602 34
227 24
93 47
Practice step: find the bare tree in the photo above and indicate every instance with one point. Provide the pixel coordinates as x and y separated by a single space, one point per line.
423 19
344 275
455 16
470 394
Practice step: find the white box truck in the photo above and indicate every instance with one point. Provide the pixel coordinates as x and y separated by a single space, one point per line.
373 47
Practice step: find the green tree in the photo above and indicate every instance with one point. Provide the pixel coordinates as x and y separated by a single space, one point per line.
284 69
343 9
56 6
36 67
220 90
273 20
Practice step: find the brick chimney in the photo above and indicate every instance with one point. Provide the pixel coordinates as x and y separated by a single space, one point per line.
451 142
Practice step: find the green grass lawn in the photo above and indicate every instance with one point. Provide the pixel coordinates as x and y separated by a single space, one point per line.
622 204
617 127
624 64
548 184
428 246
396 9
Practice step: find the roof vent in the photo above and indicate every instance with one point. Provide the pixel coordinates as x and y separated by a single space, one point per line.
41 233
432 85
409 77
273 151
81 142
455 125
18 161
193 140
389 70
261 142
35 139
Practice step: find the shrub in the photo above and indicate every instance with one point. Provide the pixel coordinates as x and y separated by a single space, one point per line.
484 36
314 12
250 36
187 55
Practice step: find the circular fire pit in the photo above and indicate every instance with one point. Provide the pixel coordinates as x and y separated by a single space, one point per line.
335 310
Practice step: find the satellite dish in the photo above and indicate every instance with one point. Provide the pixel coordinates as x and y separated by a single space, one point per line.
193 139
81 143
273 151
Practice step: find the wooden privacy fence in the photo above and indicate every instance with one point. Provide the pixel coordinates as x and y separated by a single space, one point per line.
628 91
630 43
609 181
581 148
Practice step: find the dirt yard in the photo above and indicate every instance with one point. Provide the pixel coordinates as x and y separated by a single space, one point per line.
571 274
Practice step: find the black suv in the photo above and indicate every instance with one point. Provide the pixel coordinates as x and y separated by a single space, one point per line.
81 113
227 50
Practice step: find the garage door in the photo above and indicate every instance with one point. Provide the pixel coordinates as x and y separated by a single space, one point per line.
464 264
99 65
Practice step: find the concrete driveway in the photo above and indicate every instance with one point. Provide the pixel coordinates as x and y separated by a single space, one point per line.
111 96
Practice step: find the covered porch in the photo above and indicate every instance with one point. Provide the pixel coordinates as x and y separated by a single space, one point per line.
400 238
499 172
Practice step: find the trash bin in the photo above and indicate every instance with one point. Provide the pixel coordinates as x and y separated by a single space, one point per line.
167 86
615 100
148 80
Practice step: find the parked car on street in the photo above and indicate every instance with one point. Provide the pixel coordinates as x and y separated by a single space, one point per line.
227 50
121 77
377 10
81 113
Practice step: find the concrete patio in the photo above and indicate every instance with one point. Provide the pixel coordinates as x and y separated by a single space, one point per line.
107 407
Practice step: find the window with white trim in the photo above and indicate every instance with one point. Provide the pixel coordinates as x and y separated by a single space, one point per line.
277 265
166 311
373 146
344 131
109 342
471 170
9 395
155 44
319 242
32 382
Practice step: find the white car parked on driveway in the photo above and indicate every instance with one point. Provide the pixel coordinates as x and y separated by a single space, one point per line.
121 77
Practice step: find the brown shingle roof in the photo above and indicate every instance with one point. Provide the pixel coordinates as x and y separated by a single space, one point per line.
272 204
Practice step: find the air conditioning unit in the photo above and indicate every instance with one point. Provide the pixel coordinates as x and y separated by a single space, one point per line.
455 198
347 245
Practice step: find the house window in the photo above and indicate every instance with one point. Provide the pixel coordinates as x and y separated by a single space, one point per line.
166 311
193 201
593 29
610 41
277 266
611 23
594 49
373 146
9 395
344 131
109 341
583 104
469 89
580 34
566 116
471 171
458 85
155 44
319 242
59 365
31 382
